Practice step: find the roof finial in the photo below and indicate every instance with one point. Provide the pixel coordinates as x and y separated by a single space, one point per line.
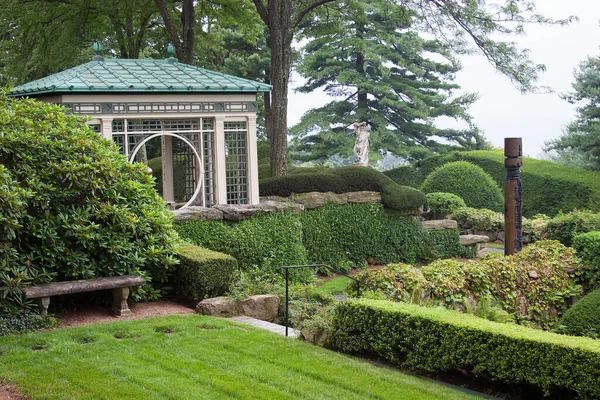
97 49
171 53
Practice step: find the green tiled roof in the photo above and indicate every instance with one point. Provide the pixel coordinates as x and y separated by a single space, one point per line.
139 76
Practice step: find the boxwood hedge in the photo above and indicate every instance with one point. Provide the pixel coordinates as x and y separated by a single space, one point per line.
583 319
203 273
437 339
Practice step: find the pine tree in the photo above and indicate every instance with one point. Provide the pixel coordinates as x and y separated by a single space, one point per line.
367 55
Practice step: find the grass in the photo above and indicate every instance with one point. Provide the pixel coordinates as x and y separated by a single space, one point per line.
194 357
494 245
335 285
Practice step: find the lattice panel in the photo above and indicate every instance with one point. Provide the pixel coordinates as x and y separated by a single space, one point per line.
236 162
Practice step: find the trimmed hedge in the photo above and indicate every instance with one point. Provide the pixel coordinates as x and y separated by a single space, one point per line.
203 273
583 319
436 339
564 227
441 204
344 180
587 247
267 241
344 236
469 182
547 187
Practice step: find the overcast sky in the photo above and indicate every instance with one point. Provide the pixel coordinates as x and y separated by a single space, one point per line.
502 111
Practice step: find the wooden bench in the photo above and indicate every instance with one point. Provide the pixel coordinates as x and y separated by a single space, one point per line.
119 284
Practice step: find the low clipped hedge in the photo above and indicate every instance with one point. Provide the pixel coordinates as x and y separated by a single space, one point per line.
583 319
548 188
203 273
469 182
564 227
344 180
587 247
265 241
436 340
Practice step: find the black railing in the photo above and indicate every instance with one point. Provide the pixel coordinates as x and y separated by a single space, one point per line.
287 279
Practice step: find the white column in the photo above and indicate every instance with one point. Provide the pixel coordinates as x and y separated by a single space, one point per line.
220 173
251 146
106 128
167 168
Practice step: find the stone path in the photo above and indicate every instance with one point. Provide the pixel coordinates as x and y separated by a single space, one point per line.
279 329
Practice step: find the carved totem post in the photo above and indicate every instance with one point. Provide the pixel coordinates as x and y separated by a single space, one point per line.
513 196
361 147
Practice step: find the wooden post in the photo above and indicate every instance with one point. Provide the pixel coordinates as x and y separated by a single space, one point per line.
513 195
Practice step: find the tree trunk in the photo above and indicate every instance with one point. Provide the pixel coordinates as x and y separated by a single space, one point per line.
184 46
280 35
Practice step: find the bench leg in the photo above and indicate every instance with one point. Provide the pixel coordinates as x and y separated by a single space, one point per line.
120 307
43 302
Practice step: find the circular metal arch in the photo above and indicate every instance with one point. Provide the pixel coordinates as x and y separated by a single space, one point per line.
190 145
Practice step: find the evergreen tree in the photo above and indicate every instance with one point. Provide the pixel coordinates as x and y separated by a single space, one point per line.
579 145
366 55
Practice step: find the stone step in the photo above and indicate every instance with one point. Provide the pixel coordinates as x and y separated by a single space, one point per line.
279 329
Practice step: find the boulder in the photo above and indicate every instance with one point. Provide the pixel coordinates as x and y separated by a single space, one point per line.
363 197
263 306
318 199
201 213
439 224
218 307
467 240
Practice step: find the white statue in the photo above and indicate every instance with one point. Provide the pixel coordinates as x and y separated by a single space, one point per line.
361 147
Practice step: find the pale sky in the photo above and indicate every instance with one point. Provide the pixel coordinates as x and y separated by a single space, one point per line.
502 111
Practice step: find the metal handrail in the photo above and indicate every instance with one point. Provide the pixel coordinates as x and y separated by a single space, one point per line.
287 278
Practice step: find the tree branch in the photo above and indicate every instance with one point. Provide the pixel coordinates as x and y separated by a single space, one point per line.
262 11
300 15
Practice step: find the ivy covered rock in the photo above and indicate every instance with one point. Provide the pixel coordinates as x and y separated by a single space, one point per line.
71 206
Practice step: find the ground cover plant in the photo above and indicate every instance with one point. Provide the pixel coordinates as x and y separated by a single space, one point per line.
531 285
194 357
437 339
72 206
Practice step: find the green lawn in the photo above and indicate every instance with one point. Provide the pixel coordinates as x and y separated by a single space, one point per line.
335 285
194 357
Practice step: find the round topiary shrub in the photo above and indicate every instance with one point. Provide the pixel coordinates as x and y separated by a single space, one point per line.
71 206
564 227
441 204
583 319
469 182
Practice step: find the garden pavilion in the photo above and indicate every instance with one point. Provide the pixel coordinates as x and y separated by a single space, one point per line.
206 121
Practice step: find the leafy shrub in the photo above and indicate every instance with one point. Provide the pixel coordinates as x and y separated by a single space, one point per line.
445 243
203 273
467 181
583 318
267 241
435 339
344 180
72 206
587 246
564 227
253 281
527 285
441 204
24 321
